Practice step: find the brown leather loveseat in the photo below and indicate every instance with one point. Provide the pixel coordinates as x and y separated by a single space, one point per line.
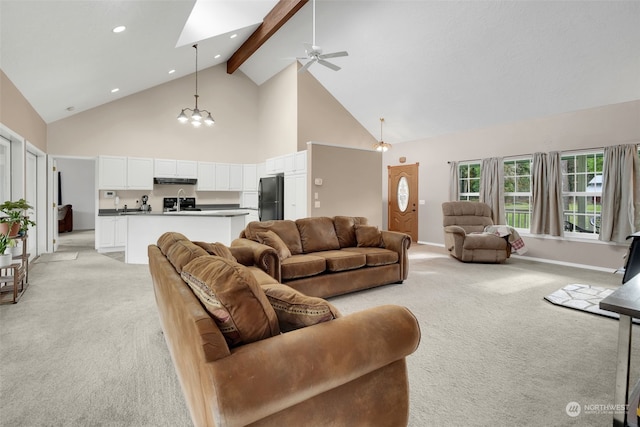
324 257
341 371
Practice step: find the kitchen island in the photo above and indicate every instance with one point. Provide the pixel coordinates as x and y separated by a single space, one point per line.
144 228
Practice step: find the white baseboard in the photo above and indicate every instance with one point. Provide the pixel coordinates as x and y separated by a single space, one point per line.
544 260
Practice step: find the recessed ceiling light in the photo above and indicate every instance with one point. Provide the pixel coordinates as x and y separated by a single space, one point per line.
172 71
115 90
217 56
119 29
233 36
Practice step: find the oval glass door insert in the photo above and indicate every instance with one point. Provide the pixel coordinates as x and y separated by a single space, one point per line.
403 194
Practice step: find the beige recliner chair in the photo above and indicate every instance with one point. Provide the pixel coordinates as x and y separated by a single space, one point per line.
464 223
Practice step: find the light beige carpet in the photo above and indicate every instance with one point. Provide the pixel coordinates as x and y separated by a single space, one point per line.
57 256
84 347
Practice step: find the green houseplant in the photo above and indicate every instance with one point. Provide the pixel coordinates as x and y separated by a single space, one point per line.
6 242
14 217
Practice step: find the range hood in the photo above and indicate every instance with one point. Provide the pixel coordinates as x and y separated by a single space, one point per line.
174 180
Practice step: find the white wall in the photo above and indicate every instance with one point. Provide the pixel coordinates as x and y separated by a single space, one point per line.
592 128
77 178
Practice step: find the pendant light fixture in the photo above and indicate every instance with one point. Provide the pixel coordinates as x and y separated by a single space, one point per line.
381 146
196 114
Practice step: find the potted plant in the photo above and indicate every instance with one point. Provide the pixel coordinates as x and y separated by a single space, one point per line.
14 221
6 242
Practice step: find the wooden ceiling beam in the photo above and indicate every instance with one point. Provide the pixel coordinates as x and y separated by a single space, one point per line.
271 23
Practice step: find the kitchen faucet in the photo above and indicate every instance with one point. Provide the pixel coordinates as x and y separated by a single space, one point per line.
178 201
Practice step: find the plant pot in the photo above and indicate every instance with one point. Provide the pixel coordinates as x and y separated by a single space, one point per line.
5 260
12 227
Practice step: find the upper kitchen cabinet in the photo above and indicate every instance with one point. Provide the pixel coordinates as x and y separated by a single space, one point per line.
236 177
206 176
249 178
125 173
112 173
139 173
288 164
167 168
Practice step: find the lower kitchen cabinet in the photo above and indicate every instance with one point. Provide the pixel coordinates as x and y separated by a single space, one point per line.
111 233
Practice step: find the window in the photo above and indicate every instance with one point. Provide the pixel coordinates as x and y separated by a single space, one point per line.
581 192
5 169
517 192
469 181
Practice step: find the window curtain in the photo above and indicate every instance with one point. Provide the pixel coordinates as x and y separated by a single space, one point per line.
492 187
453 182
620 214
546 192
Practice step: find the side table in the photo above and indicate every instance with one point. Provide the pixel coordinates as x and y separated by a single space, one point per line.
12 281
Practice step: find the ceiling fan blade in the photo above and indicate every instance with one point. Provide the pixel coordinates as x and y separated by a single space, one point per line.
306 66
333 55
328 64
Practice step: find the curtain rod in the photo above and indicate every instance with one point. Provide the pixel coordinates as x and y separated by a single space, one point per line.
561 151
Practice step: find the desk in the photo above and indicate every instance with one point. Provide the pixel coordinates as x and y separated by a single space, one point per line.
626 302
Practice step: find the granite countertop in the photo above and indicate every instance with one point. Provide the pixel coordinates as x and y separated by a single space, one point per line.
206 210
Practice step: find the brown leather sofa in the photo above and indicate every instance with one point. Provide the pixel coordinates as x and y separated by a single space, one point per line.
324 256
349 371
464 223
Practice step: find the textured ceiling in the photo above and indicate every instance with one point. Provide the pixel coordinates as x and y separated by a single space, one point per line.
427 67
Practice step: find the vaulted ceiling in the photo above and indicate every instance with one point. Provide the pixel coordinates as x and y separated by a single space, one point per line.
427 67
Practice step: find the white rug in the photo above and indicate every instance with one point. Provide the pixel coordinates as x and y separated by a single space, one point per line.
584 298
57 256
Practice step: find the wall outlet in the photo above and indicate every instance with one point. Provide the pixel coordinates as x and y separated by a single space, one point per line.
317 204
317 181
109 194
421 202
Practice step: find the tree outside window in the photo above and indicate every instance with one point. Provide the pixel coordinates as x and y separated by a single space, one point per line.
517 192
469 181
582 191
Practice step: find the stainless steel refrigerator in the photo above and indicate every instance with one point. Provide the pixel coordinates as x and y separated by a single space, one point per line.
271 198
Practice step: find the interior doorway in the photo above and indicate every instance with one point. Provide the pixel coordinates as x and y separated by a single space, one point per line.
403 199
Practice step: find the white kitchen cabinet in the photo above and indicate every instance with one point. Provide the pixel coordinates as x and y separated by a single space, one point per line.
275 165
261 171
112 234
236 177
112 173
295 196
289 163
249 177
169 168
222 176
206 176
300 162
249 199
253 216
139 173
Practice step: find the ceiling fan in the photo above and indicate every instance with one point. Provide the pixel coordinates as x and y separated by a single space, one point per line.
314 52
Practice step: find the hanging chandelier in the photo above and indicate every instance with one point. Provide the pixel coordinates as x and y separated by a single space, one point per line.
381 146
196 114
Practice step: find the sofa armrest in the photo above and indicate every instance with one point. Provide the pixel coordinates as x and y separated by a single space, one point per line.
290 368
264 257
400 243
454 236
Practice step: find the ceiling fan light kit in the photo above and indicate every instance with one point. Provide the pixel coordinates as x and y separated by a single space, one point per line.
314 52
196 113
381 146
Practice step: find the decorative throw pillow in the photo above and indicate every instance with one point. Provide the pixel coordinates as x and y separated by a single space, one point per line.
296 310
182 253
368 236
231 295
270 238
217 249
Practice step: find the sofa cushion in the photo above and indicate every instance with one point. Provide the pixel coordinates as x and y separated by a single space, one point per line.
368 236
217 249
317 234
302 266
270 238
285 229
341 260
168 239
231 295
346 231
376 256
296 310
262 278
183 252
484 241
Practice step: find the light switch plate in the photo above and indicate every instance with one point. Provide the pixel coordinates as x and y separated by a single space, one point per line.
317 204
